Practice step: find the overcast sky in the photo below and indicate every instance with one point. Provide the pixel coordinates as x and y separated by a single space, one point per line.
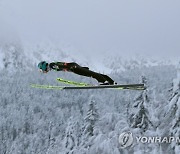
127 27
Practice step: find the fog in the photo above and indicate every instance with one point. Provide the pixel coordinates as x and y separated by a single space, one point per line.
94 28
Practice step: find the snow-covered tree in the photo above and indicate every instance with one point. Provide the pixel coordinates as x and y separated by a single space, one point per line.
13 56
174 111
91 118
140 116
72 135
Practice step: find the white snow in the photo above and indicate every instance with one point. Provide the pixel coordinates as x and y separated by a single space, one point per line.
47 121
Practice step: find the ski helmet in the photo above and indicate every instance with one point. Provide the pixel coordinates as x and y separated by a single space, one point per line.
43 65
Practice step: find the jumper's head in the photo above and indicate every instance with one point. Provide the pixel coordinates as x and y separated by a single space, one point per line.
43 66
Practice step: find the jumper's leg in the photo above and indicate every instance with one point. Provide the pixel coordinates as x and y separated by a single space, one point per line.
86 72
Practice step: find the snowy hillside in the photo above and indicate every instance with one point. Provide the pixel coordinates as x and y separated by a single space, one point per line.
83 121
89 121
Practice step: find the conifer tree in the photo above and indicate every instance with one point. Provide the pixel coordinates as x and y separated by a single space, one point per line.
140 117
91 118
174 109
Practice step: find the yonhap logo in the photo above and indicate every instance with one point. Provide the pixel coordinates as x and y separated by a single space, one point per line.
126 139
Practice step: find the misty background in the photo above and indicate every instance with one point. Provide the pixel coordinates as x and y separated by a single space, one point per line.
130 41
96 28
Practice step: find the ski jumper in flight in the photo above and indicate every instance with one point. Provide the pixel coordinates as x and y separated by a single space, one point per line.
77 69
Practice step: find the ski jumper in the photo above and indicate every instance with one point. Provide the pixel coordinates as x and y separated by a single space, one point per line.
77 69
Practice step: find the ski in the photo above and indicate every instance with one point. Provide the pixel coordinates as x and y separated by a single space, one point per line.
72 82
86 84
128 86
